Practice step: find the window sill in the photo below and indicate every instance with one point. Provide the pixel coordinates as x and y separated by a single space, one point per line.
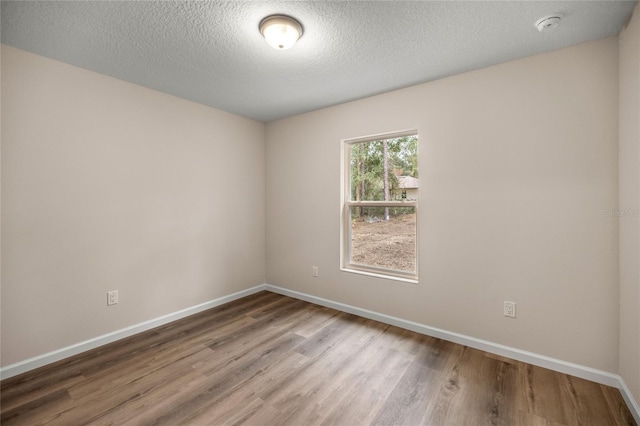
380 275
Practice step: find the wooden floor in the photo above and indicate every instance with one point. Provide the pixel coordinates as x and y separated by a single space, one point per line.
273 360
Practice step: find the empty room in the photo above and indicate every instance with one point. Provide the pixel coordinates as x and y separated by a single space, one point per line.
320 212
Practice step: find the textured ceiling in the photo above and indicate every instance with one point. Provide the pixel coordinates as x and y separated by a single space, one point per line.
212 52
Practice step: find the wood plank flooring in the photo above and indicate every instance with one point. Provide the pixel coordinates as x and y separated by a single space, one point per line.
268 359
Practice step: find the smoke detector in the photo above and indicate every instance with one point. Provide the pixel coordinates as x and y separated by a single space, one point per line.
548 22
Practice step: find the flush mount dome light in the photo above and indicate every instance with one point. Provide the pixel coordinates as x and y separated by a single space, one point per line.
280 31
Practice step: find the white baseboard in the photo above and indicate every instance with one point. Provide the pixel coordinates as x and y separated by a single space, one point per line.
57 355
565 367
631 402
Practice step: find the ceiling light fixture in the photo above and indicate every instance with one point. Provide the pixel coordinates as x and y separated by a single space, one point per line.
280 31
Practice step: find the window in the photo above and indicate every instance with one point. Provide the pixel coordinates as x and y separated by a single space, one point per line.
380 204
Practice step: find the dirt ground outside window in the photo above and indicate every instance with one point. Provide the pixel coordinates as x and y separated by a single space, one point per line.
385 244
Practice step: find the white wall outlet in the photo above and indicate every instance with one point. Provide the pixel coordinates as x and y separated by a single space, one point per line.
314 271
112 298
509 309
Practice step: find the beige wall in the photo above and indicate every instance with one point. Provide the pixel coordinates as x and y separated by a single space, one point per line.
518 165
629 172
111 186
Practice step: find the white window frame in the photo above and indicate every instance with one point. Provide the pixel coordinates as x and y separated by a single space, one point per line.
346 204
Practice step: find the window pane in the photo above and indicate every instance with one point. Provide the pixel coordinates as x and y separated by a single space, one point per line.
384 170
387 244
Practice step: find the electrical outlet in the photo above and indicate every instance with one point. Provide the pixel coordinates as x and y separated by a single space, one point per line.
314 271
112 298
509 309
